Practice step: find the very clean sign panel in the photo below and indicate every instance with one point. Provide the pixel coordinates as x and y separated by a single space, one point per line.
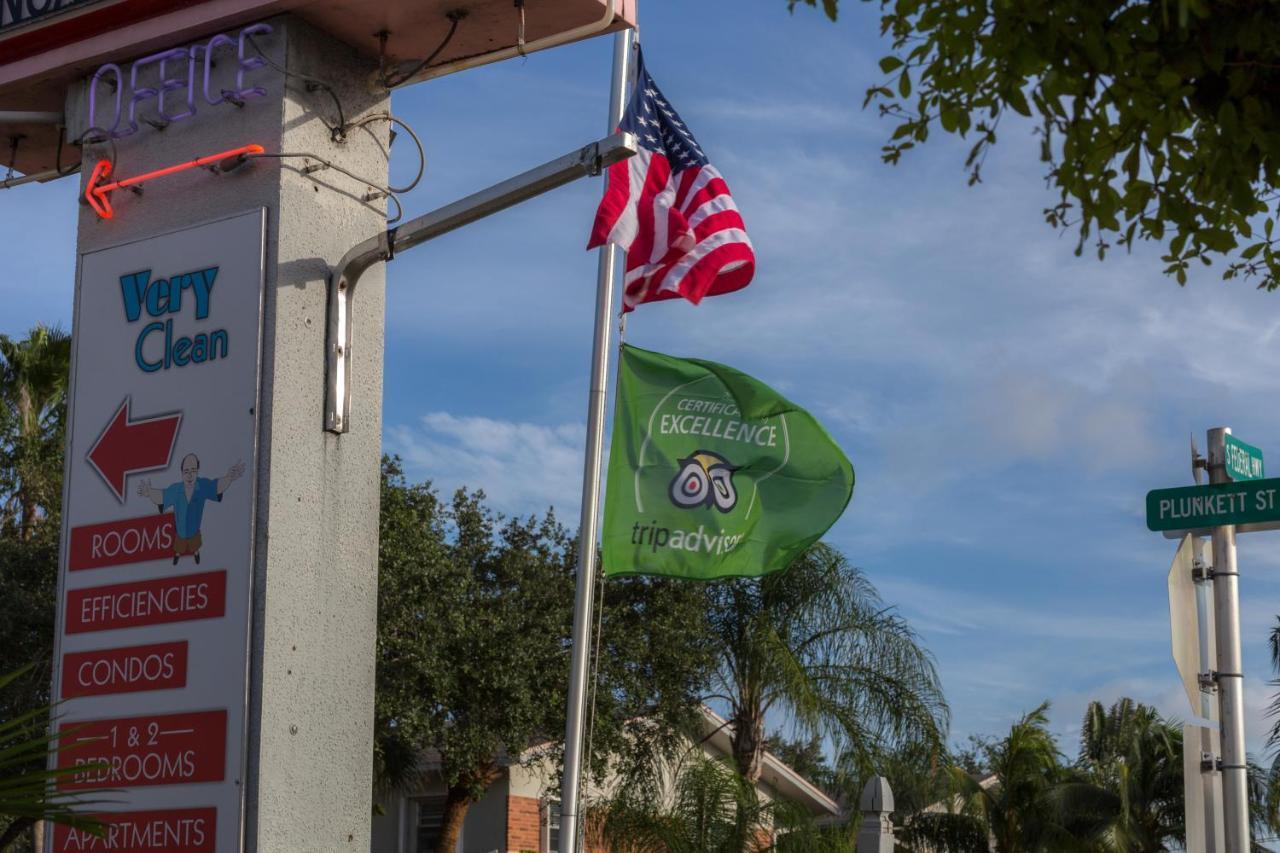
157 551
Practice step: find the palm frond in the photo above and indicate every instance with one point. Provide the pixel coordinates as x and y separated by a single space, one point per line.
816 646
29 787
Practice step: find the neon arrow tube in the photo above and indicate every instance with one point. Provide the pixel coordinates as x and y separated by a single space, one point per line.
96 195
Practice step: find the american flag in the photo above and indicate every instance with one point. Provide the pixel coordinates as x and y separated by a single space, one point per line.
670 210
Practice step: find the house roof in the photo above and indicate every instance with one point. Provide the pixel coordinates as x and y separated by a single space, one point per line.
985 781
775 773
717 733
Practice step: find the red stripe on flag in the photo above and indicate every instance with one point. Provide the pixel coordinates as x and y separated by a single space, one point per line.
655 182
721 221
687 179
713 188
707 279
617 194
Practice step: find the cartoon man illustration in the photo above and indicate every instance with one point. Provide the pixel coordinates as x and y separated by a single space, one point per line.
187 499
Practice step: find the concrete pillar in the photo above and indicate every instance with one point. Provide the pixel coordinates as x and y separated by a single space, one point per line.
307 777
875 835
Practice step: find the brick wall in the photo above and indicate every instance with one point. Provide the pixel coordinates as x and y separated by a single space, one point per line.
524 824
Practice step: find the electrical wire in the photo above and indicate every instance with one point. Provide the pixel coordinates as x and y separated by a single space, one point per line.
103 136
336 132
14 141
455 17
595 671
422 154
339 132
388 192
57 158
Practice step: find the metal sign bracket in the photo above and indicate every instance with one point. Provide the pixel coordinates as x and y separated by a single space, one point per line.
589 160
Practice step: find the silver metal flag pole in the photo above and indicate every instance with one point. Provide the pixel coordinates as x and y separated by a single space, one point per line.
570 829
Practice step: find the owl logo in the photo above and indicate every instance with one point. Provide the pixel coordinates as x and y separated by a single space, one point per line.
704 479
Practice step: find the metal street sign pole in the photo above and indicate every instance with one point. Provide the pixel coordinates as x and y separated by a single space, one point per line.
570 803
1210 780
1190 624
1203 794
1226 600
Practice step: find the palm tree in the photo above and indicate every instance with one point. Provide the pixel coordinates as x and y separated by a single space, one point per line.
1136 756
1264 792
920 778
1273 711
689 802
1264 784
816 645
33 383
1036 802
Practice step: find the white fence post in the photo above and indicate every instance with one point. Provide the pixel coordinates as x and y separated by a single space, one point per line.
876 803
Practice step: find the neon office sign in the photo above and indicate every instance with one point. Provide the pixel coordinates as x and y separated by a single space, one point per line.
180 80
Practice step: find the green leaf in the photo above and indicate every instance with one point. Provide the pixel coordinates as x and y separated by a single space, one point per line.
1227 117
1217 239
1178 94
890 63
1018 101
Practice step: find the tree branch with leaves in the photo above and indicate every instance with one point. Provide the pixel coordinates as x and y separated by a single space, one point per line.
1158 121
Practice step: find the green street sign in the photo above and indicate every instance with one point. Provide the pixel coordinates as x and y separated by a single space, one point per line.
1244 461
1252 502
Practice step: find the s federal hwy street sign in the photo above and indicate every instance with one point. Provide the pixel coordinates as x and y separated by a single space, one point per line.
1209 506
1244 461
157 551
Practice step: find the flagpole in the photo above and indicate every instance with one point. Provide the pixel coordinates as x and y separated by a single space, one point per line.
570 830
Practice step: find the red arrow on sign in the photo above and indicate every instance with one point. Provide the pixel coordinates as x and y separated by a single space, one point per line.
97 194
129 446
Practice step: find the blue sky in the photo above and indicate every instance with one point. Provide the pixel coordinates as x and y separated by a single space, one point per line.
1006 404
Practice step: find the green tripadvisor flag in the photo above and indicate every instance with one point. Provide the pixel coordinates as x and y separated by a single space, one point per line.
713 474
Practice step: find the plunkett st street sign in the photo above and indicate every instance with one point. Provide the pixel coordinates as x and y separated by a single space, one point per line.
1252 502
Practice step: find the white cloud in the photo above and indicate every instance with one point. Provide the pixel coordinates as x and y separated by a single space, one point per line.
523 467
955 612
793 117
1042 418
